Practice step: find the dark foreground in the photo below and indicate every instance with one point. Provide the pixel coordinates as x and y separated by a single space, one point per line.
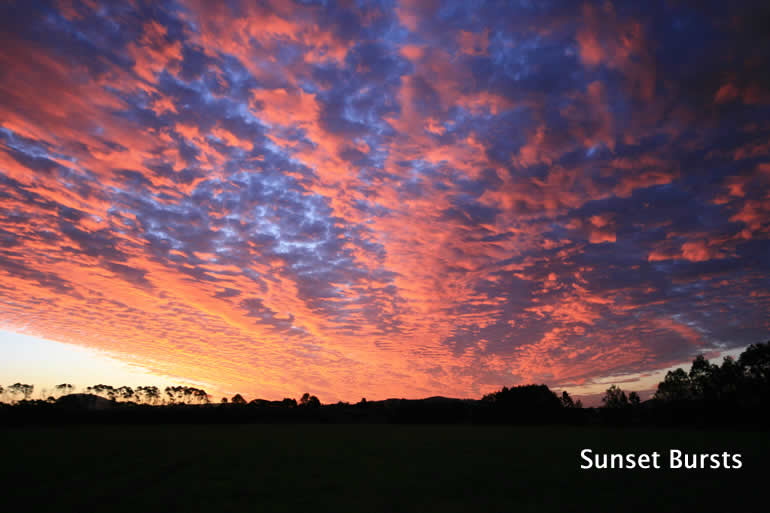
359 468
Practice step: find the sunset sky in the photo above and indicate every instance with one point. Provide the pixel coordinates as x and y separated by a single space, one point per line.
381 199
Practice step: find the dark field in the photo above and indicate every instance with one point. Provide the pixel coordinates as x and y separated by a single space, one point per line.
352 468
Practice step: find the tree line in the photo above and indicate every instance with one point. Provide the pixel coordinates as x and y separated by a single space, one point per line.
150 395
744 382
737 390
146 395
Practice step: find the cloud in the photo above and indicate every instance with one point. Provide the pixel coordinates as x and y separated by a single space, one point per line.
402 199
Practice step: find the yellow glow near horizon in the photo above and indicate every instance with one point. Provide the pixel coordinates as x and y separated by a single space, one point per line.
45 363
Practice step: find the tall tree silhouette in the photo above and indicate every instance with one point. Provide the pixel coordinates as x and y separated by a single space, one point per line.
125 393
676 386
21 389
614 397
148 394
310 401
755 360
701 382
64 388
196 395
102 390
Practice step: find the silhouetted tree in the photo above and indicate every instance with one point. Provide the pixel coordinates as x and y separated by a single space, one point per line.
224 400
197 395
755 364
524 396
173 393
148 394
614 397
701 379
104 391
566 400
676 386
310 401
634 399
729 380
755 361
126 393
238 399
21 389
524 403
186 395
64 388
289 402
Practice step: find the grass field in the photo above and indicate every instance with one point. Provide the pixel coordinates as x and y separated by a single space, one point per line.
387 468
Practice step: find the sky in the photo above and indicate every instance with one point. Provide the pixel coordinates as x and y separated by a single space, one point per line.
381 199
66 363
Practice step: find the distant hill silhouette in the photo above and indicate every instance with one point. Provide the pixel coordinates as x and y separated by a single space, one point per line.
85 402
